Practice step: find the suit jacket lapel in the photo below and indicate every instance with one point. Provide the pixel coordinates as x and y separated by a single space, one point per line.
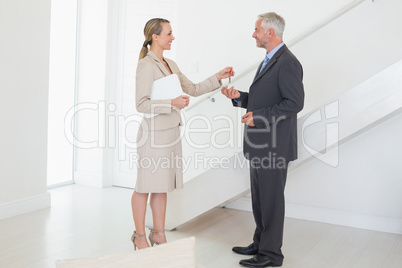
270 63
258 71
158 63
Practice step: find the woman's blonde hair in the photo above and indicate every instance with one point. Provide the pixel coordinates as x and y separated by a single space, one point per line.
153 26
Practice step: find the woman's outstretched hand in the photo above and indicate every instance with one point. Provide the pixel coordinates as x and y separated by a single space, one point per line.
181 102
225 73
230 93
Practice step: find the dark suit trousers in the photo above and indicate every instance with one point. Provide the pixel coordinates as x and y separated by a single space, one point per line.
268 202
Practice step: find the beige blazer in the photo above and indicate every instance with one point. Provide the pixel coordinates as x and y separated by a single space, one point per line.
150 69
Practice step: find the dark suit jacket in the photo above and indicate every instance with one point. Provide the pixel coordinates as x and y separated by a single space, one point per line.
275 97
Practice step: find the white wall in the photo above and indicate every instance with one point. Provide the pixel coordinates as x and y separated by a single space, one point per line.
215 34
349 50
363 191
24 67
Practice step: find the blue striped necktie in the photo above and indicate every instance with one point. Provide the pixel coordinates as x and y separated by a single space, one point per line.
265 62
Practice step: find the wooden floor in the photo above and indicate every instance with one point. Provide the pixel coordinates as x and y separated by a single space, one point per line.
86 222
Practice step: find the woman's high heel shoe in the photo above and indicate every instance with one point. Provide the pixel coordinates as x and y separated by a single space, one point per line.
151 236
133 238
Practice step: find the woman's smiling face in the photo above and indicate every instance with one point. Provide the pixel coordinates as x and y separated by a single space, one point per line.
164 40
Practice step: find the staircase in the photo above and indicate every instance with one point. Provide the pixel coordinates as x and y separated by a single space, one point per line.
323 125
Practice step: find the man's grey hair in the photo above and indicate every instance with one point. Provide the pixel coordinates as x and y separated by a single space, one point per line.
274 21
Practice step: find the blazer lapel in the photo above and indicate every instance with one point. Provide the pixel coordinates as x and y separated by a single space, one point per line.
270 63
258 71
158 63
263 71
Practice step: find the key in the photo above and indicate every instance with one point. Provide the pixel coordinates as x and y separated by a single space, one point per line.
230 77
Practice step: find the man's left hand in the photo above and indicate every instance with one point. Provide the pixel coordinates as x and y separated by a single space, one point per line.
248 119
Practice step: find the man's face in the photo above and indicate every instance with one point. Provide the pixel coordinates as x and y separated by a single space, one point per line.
260 36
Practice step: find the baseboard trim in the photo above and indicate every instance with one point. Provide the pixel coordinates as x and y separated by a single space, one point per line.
331 216
344 218
243 203
26 205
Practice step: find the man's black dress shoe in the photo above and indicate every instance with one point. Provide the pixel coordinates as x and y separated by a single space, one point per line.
259 261
250 250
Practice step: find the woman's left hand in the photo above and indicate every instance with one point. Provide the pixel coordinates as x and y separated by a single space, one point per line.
225 73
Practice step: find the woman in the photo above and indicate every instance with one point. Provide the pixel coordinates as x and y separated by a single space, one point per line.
160 135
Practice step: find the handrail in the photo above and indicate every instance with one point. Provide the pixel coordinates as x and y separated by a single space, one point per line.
291 43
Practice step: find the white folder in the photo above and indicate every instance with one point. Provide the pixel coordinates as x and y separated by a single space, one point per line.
165 88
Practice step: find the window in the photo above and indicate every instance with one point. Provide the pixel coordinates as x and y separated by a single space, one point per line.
61 89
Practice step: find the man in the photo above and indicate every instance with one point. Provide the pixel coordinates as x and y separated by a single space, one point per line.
270 138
